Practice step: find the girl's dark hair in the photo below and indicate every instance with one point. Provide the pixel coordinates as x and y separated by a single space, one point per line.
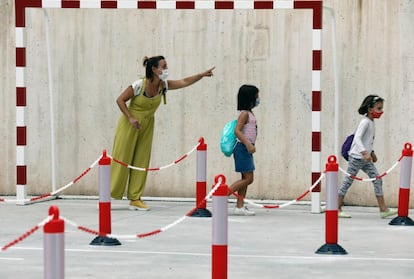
148 63
369 102
246 98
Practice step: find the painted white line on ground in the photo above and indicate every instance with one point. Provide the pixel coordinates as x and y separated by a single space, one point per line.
11 259
311 258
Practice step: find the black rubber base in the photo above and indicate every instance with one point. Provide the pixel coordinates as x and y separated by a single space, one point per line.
331 249
402 221
201 212
105 241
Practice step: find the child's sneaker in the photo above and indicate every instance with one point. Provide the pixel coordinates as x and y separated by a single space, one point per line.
244 211
342 214
388 213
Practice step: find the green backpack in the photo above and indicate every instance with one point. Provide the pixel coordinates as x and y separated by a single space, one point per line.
228 138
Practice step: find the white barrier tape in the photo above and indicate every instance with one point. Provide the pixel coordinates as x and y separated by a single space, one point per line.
141 235
26 234
29 200
78 178
155 168
288 203
370 179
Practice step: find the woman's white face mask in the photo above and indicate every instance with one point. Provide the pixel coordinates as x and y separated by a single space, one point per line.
164 75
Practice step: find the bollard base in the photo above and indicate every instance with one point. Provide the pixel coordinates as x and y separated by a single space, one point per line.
401 221
331 249
201 212
105 241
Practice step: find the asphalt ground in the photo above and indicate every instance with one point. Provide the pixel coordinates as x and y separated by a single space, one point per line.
276 243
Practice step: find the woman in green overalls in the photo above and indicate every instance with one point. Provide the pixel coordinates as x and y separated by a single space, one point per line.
135 129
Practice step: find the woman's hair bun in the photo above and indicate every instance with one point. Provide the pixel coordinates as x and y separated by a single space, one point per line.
144 61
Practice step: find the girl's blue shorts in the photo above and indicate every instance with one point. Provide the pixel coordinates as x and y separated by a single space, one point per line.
243 160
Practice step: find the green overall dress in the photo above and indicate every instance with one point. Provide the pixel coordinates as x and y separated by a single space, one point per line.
133 146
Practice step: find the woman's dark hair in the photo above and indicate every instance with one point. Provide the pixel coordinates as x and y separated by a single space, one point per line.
369 102
246 98
148 63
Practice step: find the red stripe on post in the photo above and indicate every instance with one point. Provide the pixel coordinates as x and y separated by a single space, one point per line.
316 101
201 192
331 223
109 4
403 202
20 96
20 56
147 5
316 60
219 261
104 217
229 5
267 5
315 177
316 141
317 15
21 135
185 5
70 4
317 11
21 177
20 8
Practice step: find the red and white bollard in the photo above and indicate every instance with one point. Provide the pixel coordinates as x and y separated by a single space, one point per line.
219 245
105 203
54 246
331 214
404 195
201 184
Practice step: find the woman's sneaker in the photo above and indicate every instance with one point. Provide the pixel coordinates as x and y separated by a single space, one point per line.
244 211
138 205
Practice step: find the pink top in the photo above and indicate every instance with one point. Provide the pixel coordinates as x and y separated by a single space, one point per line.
250 128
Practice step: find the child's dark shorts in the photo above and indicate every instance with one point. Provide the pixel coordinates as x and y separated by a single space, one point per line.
243 160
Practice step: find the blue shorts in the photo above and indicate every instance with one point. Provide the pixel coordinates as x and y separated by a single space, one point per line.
243 160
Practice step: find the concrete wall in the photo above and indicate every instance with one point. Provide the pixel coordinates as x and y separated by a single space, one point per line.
95 54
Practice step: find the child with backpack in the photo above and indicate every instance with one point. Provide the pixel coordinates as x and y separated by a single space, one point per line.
246 133
362 157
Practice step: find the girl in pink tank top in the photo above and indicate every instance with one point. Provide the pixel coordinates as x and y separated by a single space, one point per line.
246 133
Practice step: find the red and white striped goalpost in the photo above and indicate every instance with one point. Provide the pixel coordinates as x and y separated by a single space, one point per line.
20 9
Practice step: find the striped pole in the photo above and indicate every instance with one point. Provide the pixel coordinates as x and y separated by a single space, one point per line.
201 183
331 215
21 104
105 203
404 195
54 246
219 246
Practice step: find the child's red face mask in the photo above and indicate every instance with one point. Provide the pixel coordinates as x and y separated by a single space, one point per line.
376 114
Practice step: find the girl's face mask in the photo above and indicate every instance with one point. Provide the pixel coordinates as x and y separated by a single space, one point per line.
376 114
